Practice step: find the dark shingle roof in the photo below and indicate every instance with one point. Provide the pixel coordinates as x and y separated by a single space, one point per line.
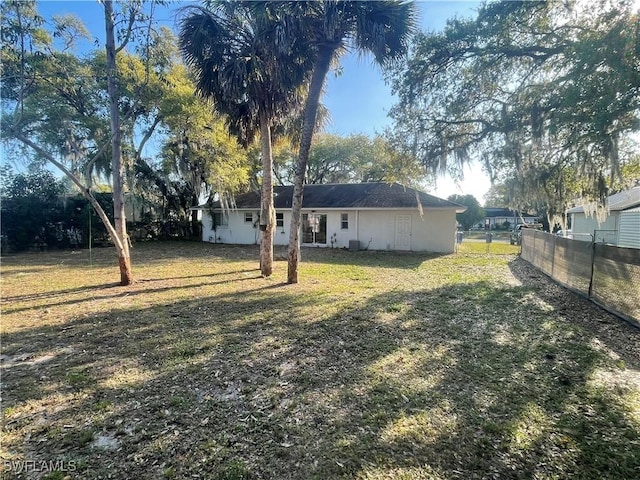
349 195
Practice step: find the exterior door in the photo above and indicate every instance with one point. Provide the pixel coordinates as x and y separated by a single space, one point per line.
403 232
314 228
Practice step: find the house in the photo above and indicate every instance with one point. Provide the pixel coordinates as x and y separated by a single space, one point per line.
629 228
375 216
496 218
620 225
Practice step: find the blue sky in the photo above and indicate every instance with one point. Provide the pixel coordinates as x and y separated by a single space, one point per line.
358 99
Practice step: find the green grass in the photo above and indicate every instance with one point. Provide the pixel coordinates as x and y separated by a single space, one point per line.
376 365
481 247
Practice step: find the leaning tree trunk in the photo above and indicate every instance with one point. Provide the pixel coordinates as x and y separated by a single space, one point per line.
267 212
117 168
86 193
320 70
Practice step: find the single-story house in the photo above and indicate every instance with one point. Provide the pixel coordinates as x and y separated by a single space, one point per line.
375 216
496 217
620 226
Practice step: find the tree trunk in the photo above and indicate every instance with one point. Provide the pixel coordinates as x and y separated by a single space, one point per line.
117 168
267 212
320 70
195 223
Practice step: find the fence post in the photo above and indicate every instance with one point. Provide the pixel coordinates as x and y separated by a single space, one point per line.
553 255
593 258
90 255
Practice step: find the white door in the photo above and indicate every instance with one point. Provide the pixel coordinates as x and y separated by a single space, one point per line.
403 232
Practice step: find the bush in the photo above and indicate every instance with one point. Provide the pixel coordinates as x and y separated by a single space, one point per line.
30 209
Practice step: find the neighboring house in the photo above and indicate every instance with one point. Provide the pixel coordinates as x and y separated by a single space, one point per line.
620 226
496 217
375 216
629 228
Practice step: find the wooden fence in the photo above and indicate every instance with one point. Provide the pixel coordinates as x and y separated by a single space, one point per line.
606 274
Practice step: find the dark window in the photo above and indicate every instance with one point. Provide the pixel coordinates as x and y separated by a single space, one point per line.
279 219
248 217
220 220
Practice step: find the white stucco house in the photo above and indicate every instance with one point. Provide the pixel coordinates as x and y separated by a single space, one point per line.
374 216
620 226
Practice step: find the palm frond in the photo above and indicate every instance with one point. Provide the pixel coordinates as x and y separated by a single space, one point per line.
239 60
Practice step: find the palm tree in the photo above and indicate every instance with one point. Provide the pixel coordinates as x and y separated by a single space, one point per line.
382 28
240 61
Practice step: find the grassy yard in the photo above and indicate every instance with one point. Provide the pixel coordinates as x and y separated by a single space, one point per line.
376 366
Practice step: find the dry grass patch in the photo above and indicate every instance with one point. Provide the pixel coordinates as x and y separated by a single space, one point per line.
377 365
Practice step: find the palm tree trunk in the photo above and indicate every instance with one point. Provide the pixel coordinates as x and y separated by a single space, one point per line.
267 212
320 70
117 168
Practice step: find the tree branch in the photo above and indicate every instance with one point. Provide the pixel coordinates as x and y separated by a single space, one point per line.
127 37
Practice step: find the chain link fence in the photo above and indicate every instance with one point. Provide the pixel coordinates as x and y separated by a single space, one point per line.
606 274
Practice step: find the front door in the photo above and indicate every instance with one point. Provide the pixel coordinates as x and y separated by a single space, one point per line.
314 228
403 232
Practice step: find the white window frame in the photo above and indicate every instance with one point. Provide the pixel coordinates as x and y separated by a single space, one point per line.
344 218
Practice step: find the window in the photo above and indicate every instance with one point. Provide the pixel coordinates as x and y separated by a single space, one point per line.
220 220
344 221
279 219
248 217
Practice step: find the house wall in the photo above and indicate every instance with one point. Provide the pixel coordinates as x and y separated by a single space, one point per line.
281 235
629 232
433 232
237 231
606 231
375 229
334 228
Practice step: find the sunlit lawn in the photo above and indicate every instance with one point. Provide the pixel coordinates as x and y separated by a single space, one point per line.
481 247
376 366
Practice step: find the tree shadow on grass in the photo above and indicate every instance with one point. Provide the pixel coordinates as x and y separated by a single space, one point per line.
145 253
120 293
208 275
55 293
366 258
472 380
606 327
20 271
